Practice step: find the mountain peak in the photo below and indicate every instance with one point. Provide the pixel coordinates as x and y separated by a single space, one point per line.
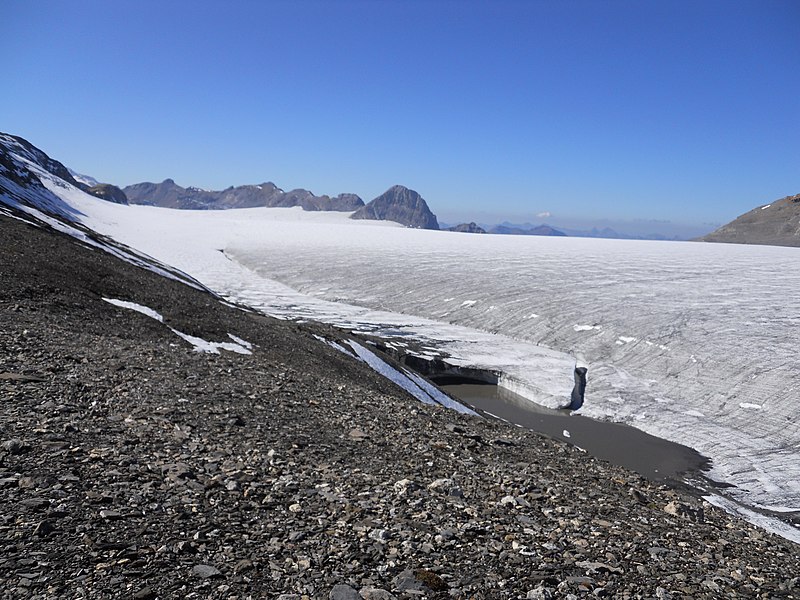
401 205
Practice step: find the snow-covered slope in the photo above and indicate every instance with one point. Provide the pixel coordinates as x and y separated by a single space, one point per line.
84 179
42 192
696 343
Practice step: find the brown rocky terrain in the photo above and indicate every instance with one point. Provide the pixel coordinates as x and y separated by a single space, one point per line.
132 466
775 224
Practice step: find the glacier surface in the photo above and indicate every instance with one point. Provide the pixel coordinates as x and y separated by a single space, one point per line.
696 343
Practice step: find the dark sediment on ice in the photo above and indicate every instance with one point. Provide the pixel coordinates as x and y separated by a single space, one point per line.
133 467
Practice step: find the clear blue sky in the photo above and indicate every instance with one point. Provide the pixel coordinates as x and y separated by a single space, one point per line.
686 111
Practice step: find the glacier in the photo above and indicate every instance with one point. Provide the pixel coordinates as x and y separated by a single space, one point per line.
695 343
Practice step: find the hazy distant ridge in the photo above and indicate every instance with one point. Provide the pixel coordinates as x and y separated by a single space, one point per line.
543 229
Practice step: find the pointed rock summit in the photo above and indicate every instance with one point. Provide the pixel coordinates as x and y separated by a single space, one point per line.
401 205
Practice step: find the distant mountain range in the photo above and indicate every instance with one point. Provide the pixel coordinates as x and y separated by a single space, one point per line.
527 229
508 228
774 224
777 223
398 203
169 194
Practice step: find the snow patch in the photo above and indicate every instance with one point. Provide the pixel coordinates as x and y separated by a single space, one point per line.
750 405
201 345
137 307
438 395
240 341
238 345
84 179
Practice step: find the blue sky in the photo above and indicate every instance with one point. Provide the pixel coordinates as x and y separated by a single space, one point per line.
591 111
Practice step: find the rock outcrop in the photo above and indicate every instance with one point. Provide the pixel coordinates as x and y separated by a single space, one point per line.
106 191
775 224
169 194
467 228
401 205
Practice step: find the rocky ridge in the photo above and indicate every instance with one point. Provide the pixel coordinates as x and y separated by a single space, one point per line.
401 205
774 224
169 194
